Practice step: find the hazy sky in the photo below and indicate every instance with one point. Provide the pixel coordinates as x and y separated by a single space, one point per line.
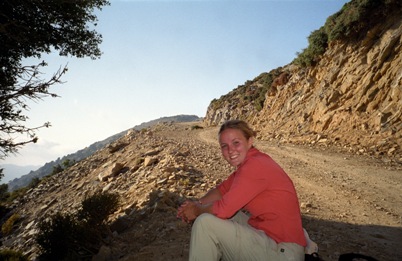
164 58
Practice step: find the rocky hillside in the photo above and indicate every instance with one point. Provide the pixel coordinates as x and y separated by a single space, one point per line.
346 205
79 155
152 170
350 98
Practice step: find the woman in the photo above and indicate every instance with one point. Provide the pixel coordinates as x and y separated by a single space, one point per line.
271 229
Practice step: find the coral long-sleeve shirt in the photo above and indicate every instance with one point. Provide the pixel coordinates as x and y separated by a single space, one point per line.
261 187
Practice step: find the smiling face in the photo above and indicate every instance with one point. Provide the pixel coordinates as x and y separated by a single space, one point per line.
234 146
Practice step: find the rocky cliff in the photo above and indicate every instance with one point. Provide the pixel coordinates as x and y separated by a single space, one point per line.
352 98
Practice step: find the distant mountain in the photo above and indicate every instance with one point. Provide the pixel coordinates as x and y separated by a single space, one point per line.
12 171
47 169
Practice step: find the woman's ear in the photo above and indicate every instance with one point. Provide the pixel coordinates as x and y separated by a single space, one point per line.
250 142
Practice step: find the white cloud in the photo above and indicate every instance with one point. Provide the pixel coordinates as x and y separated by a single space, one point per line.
37 153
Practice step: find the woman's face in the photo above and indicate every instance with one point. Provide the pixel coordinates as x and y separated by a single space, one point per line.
234 146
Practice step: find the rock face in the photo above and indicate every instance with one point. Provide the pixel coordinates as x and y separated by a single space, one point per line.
352 98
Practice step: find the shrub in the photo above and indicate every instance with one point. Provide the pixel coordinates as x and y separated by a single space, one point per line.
18 193
356 17
73 237
58 236
96 208
351 23
4 194
318 43
4 210
11 255
196 127
34 182
56 169
7 227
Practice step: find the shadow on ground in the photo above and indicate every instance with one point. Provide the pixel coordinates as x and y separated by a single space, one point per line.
335 238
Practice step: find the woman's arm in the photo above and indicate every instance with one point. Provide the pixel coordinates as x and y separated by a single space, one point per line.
211 196
190 210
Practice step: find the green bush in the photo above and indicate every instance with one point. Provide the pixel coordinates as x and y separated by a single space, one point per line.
4 194
318 43
265 80
11 255
18 193
78 236
351 23
58 237
96 208
358 16
34 182
7 227
56 169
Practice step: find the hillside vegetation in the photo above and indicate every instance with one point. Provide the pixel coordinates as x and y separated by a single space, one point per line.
343 90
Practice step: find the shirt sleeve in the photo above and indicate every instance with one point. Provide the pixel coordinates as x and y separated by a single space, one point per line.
226 184
240 188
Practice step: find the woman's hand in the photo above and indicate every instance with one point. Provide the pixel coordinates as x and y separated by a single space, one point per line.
189 211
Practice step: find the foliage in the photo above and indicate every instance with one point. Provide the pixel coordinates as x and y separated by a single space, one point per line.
318 42
357 17
266 79
7 227
253 92
18 193
29 29
196 127
57 237
12 255
351 23
56 169
71 237
256 90
68 163
96 208
4 210
4 192
34 182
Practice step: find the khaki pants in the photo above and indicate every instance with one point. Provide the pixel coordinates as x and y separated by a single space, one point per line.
214 239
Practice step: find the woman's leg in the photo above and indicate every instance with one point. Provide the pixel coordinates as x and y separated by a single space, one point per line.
213 238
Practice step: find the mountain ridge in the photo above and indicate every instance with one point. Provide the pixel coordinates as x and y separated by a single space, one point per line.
12 171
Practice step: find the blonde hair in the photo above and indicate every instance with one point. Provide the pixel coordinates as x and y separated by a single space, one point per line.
238 125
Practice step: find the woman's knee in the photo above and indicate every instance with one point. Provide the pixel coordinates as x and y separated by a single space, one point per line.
203 218
205 221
